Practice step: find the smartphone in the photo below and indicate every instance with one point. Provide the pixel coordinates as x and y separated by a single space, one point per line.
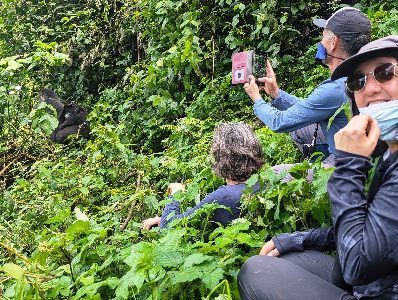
259 66
248 63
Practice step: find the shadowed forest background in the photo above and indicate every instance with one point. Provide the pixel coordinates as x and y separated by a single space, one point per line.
155 79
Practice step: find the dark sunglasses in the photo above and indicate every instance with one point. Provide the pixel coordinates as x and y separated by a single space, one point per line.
382 74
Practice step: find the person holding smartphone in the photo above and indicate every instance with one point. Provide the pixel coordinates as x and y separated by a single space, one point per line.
341 38
365 223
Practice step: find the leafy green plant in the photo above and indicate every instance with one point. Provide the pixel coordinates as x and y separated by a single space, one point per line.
155 76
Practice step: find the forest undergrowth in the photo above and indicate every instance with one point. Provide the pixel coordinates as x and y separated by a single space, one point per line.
155 78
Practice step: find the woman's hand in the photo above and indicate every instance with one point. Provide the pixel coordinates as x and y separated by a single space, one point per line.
149 223
359 136
269 249
175 187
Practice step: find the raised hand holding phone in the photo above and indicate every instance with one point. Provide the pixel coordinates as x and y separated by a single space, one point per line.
270 86
252 89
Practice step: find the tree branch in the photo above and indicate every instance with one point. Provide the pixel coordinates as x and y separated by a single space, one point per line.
132 206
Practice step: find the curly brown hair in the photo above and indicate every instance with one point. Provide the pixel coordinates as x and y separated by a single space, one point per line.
236 151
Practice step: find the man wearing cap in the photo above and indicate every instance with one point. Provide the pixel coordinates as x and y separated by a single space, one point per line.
345 32
365 223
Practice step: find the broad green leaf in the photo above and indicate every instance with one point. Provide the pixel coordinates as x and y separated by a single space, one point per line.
131 278
235 21
156 273
80 215
169 259
244 238
171 241
211 279
84 190
77 228
91 290
60 217
222 242
13 66
252 180
138 252
195 259
13 270
87 280
186 275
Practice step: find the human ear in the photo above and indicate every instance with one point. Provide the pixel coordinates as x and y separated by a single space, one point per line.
335 42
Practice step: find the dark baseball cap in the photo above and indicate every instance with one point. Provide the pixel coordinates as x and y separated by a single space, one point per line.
347 23
387 46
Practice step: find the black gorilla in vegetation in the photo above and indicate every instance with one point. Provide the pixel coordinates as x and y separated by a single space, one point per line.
71 118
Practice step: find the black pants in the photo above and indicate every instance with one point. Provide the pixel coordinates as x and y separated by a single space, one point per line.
304 275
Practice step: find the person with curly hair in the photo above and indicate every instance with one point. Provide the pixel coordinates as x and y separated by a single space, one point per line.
237 155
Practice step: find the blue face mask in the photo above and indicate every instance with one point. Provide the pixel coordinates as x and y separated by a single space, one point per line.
386 115
321 53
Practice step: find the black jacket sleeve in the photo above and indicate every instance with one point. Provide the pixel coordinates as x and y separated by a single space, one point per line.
366 232
321 239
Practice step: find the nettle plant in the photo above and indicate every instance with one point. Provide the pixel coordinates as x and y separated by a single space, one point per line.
155 76
68 213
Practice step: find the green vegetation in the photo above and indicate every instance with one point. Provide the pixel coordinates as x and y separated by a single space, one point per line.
155 76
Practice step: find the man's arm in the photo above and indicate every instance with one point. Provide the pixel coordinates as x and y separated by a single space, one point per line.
270 85
320 105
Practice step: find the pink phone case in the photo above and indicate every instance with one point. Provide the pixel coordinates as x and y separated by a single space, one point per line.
242 66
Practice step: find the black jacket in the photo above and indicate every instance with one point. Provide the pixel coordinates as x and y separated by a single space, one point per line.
365 228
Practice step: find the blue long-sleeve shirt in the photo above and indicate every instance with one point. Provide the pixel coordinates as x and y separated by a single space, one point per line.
288 113
227 195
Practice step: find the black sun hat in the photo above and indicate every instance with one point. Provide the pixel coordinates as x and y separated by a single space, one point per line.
347 23
387 46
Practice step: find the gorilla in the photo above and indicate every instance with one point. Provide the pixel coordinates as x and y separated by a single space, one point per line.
71 118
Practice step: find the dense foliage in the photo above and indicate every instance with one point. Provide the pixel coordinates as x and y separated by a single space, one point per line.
155 76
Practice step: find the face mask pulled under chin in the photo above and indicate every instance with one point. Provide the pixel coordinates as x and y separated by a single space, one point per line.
386 115
321 54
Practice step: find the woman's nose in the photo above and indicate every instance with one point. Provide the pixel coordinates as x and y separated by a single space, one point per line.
372 86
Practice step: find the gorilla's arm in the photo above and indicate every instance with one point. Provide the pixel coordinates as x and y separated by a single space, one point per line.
50 97
82 130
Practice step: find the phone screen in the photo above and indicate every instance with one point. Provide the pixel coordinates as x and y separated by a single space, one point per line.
259 64
248 63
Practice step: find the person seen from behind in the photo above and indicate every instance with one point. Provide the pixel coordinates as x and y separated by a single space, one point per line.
237 155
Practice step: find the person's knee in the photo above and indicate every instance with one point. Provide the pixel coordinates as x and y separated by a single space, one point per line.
255 268
259 276
247 286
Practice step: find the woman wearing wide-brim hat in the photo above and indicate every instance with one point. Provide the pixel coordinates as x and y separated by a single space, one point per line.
365 231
